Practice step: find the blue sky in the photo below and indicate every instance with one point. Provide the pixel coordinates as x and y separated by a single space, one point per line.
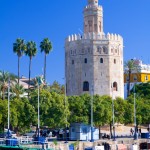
56 19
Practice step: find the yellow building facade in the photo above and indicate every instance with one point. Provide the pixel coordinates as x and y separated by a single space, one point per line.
137 77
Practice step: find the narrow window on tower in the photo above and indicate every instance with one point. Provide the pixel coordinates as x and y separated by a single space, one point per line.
90 26
95 27
72 62
101 60
85 60
85 86
100 26
114 61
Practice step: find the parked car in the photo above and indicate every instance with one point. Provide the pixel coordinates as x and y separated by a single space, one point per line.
30 134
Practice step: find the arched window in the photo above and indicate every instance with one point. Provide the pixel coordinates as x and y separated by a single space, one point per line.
101 60
115 88
85 60
114 61
85 86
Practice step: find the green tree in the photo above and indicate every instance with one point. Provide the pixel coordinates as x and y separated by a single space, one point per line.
19 47
129 67
120 110
53 111
46 47
102 111
3 114
25 114
30 52
79 107
56 87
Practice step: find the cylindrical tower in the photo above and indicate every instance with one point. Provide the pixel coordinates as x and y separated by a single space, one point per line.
93 17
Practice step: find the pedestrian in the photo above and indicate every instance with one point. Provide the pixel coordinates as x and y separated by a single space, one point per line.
139 131
131 132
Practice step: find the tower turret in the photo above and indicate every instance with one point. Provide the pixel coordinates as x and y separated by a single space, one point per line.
93 2
93 17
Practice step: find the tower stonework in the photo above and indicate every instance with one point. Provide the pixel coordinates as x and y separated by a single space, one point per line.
94 61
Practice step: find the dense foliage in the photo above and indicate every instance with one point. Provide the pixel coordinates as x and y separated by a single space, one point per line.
57 110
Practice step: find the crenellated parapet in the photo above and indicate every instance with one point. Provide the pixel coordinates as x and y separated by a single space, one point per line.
94 36
90 6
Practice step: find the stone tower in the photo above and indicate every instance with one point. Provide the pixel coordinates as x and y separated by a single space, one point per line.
94 61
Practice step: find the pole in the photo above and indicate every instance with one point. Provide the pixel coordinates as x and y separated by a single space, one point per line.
113 115
135 130
38 110
92 140
65 107
113 121
8 107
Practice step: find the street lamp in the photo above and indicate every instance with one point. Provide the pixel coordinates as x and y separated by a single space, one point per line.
135 130
39 81
113 115
8 108
92 91
65 107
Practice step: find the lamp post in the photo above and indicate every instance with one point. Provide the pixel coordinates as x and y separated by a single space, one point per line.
92 91
113 115
39 81
8 108
135 130
65 107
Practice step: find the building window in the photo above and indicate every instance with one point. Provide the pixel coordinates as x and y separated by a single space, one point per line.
114 61
100 29
82 51
85 60
115 88
85 86
135 78
73 129
127 78
101 60
72 62
146 77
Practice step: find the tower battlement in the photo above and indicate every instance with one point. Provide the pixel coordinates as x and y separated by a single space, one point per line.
90 6
94 36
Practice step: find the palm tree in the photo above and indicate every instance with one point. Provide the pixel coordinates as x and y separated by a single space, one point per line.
31 52
4 77
46 47
17 90
129 67
19 48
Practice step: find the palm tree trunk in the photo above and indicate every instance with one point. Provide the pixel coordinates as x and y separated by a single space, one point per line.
45 68
29 75
18 68
128 89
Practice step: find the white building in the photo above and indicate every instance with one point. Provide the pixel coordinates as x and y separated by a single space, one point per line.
94 61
